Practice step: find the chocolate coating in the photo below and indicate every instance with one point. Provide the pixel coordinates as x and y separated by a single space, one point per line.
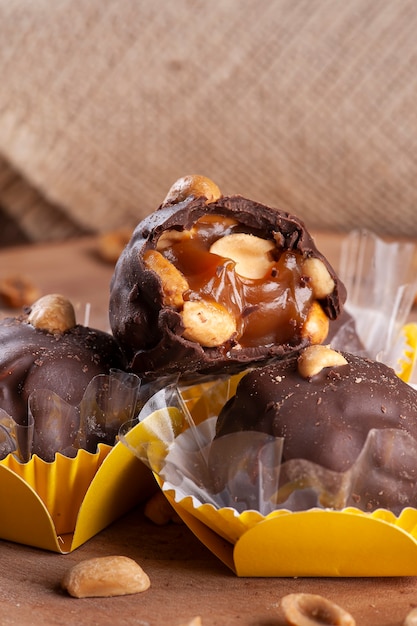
150 333
326 418
32 359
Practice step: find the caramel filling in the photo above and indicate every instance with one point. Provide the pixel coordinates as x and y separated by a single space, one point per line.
268 309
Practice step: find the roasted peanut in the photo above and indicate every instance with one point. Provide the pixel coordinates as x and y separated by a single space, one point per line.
195 621
110 245
53 313
192 186
159 511
322 284
307 609
411 618
207 323
104 577
171 237
17 292
316 325
172 281
315 358
251 254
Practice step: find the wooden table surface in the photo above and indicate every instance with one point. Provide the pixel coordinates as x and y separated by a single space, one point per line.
186 579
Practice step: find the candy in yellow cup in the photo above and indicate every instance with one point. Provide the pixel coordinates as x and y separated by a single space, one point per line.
173 438
59 504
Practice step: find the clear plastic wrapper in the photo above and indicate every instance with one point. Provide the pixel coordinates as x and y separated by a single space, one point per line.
244 471
85 478
56 426
381 281
278 517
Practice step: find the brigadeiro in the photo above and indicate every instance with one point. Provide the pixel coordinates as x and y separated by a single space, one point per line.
210 284
324 404
45 349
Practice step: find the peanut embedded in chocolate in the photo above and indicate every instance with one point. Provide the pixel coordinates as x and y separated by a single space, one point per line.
324 404
214 286
46 350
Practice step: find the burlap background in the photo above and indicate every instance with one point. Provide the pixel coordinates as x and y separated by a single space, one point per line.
306 104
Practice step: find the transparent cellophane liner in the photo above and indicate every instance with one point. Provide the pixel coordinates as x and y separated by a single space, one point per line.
64 476
234 483
381 282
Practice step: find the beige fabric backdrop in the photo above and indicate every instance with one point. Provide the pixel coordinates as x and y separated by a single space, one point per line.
306 104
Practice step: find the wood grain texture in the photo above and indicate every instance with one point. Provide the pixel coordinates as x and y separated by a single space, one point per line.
186 579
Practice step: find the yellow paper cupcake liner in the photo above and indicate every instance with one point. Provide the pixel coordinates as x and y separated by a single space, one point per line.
407 362
60 485
60 505
309 543
312 542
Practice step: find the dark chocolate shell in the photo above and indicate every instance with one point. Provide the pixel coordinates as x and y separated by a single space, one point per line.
151 333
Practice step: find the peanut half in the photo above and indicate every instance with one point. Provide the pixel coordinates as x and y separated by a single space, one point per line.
192 186
208 323
53 313
315 358
195 621
105 577
308 609
316 325
159 511
411 618
173 282
322 284
170 237
110 245
251 254
17 291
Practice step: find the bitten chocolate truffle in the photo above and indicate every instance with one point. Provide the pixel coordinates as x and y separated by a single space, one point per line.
211 284
323 404
46 349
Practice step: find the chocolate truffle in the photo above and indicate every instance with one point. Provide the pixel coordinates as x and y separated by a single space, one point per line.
45 349
324 404
211 284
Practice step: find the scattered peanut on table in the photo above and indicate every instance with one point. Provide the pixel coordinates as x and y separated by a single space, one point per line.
411 618
159 511
195 621
104 577
308 609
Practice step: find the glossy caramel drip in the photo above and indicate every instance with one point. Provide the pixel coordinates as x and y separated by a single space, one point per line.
268 310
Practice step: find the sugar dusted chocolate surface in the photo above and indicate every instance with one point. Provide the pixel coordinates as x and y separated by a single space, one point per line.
32 359
349 436
324 419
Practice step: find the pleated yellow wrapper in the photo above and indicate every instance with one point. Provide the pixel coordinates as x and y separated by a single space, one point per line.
60 505
314 542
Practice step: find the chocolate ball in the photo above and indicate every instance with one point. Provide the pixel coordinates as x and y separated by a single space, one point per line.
325 419
62 362
209 287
